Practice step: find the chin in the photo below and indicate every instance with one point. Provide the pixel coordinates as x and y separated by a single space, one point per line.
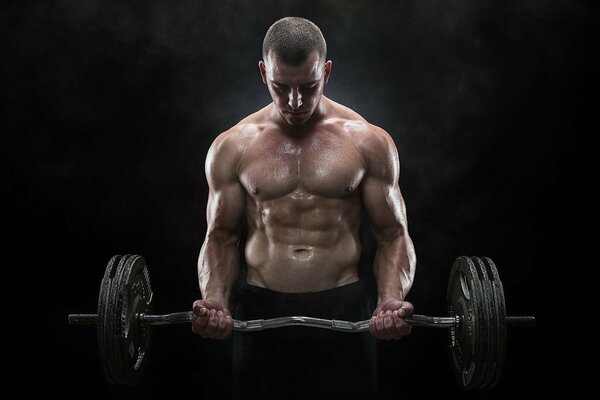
295 121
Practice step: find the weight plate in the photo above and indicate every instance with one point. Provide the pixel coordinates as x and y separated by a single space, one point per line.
134 337
113 315
127 339
483 324
465 299
102 326
501 319
489 323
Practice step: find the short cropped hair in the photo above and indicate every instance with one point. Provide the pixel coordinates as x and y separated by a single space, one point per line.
294 39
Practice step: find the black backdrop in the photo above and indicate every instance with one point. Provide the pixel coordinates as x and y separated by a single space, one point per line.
109 109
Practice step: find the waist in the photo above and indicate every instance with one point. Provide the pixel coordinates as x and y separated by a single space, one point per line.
350 302
270 295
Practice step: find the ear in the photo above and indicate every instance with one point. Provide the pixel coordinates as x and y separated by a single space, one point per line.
328 66
263 71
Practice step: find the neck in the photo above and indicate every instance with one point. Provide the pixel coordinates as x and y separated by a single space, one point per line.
297 130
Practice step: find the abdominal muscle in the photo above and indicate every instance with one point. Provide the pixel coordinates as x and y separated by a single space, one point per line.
291 249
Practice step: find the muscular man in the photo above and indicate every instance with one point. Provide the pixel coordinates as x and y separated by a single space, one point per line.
301 170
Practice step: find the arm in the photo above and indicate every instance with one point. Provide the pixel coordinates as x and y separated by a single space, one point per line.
218 263
395 259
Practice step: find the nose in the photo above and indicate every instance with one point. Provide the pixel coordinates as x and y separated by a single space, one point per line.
295 98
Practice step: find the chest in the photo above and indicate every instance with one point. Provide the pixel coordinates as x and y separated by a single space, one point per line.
322 166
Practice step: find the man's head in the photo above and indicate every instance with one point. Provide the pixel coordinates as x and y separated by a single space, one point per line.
294 67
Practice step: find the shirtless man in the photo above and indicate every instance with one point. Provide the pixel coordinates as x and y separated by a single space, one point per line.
301 170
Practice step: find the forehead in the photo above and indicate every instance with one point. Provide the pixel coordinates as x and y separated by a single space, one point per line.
277 70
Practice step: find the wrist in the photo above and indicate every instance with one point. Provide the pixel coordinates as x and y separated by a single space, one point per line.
216 300
387 297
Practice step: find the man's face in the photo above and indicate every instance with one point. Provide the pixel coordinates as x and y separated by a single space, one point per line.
295 91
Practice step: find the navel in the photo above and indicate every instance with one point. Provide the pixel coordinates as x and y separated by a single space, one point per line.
302 253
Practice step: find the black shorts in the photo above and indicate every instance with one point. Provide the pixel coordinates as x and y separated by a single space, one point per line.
304 362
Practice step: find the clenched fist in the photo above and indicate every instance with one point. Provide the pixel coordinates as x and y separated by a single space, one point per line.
214 321
387 322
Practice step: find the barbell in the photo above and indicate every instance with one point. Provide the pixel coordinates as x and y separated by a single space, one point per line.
476 321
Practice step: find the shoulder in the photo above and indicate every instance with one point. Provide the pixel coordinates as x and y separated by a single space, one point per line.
380 153
371 140
228 147
236 138
377 142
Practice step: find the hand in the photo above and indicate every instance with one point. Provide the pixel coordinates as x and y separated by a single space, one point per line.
387 322
214 321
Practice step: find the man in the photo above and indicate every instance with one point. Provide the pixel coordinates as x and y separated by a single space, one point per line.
301 170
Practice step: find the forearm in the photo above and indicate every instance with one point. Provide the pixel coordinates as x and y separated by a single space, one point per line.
218 267
394 268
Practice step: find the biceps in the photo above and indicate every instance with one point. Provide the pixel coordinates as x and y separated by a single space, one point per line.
385 206
224 210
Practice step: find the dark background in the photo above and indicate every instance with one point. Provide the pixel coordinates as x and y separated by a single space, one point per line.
109 109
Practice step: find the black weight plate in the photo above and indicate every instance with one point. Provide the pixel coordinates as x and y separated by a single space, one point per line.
490 333
101 327
501 319
133 338
113 321
465 299
482 335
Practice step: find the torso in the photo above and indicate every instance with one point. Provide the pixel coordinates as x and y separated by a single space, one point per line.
303 201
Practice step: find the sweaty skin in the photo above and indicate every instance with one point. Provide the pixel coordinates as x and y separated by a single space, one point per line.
301 170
